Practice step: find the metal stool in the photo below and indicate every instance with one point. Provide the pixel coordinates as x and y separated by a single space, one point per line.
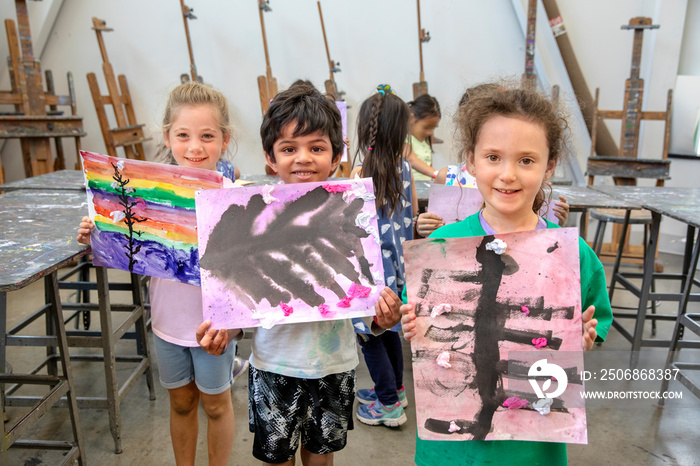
637 217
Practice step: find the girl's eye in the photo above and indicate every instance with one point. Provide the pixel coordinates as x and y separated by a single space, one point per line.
208 136
492 157
527 161
182 135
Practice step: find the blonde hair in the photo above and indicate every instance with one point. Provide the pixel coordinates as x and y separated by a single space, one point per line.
190 94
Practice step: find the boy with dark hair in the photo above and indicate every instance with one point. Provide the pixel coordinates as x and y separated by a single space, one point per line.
302 376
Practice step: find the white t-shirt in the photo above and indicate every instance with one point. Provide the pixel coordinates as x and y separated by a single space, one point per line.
307 351
176 311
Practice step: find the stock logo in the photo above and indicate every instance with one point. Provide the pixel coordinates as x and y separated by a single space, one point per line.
542 369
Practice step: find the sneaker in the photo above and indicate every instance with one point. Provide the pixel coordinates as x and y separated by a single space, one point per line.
376 414
240 365
368 396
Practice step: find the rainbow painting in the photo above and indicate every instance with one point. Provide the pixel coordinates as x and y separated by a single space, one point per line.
144 215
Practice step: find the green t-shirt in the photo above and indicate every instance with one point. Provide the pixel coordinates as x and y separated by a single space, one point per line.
594 292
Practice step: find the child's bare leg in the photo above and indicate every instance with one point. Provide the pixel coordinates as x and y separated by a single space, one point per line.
220 426
314 459
183 422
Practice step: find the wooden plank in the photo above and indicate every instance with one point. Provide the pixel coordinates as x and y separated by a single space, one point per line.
99 102
628 168
605 143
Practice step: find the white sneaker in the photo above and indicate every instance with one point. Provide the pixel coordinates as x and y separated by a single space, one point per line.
240 365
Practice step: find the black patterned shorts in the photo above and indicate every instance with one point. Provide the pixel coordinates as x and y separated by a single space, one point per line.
284 409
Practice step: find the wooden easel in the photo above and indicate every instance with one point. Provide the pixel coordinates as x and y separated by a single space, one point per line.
267 85
421 87
31 123
188 13
626 167
333 66
332 91
128 133
529 76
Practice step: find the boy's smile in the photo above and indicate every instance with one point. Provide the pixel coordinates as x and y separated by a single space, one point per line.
302 159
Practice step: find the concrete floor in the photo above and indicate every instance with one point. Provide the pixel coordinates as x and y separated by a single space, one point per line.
639 434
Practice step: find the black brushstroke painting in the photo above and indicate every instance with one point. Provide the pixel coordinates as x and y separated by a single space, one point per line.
289 259
484 370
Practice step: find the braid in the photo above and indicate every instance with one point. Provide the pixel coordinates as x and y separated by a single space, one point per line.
373 122
382 127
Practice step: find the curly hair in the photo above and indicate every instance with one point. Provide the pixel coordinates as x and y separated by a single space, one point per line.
488 101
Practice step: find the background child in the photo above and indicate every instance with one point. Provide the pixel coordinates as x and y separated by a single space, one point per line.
425 117
302 376
196 132
512 140
381 130
458 174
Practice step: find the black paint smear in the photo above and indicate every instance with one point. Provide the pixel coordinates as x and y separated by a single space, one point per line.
520 369
557 403
447 335
443 427
525 338
553 248
489 322
263 265
538 311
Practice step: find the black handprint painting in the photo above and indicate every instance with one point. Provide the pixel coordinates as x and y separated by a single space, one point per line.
288 253
488 309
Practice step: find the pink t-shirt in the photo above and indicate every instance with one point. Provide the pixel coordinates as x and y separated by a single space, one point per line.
176 311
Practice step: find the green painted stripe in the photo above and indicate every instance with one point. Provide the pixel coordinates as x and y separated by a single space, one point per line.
145 236
156 195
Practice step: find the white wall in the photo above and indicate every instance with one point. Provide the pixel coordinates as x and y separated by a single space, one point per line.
471 42
375 42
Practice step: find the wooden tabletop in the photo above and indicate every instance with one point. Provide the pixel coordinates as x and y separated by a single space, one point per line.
38 234
584 197
682 204
71 180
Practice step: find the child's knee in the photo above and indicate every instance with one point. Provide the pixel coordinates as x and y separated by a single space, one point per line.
184 399
216 406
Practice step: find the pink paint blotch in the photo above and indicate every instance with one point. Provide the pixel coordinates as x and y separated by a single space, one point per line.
539 342
324 309
515 403
336 188
345 302
286 309
525 309
359 291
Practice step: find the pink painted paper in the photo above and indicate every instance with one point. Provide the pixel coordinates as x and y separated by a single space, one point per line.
542 273
289 246
343 107
455 203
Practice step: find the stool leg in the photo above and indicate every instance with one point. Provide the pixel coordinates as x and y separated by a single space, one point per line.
142 346
113 402
57 312
599 235
51 351
653 283
3 351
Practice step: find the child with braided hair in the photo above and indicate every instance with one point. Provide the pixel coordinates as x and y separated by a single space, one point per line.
382 127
